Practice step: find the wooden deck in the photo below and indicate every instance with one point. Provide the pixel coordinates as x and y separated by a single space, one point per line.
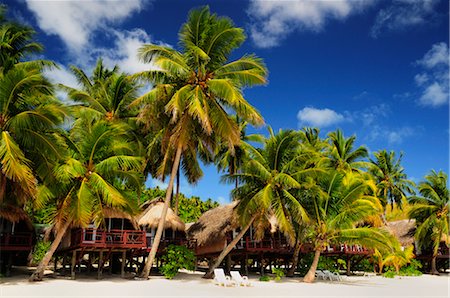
16 241
103 239
267 245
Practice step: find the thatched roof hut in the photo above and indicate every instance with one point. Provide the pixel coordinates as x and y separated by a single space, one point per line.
214 224
403 230
109 212
152 214
15 214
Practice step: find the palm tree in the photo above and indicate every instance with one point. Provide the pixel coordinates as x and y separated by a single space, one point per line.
267 188
196 86
431 211
29 116
107 95
336 205
100 162
343 155
391 180
16 44
231 159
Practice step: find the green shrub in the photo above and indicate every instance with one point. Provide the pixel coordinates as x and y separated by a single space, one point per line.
412 269
39 251
176 258
264 278
279 273
389 274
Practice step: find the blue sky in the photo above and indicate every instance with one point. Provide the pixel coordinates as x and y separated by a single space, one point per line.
377 69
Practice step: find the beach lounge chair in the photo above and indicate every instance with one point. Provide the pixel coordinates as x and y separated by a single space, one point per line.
239 280
320 274
222 280
333 275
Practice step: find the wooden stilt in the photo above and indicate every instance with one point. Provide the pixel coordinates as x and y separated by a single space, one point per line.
246 265
348 265
72 267
9 265
124 260
100 265
64 263
228 264
110 263
55 264
89 263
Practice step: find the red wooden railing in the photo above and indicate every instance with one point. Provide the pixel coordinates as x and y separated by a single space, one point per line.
167 241
108 239
266 244
16 241
346 249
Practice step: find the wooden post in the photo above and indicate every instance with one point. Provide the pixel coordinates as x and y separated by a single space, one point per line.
64 260
89 263
9 265
72 267
110 263
100 265
55 265
124 260
348 265
228 264
246 264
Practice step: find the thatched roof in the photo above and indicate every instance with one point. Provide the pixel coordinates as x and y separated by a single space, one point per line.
15 214
214 224
152 214
403 230
109 212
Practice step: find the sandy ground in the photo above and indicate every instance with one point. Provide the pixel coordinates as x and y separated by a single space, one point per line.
192 285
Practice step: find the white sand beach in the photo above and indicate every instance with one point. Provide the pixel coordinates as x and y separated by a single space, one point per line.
192 285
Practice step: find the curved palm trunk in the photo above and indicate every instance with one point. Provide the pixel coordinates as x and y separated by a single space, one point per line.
39 273
311 275
151 256
294 258
433 265
178 191
229 248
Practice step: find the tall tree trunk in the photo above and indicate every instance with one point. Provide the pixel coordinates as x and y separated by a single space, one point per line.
151 256
39 273
178 191
229 248
297 247
311 275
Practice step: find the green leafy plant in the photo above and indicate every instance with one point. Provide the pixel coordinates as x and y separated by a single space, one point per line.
389 274
413 269
177 257
279 273
40 249
264 278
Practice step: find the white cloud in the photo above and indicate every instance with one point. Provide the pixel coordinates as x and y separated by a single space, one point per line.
403 14
434 80
319 117
372 114
75 21
393 136
275 19
61 75
125 51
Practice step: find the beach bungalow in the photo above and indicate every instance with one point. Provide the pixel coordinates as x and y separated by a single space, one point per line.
116 238
17 237
217 227
174 227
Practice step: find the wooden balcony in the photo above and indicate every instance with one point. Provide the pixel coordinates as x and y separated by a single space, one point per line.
113 239
16 241
345 249
165 242
266 245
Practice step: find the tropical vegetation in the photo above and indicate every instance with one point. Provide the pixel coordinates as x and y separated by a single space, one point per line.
66 162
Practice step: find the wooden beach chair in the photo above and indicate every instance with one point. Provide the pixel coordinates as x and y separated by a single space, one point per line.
221 279
240 280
